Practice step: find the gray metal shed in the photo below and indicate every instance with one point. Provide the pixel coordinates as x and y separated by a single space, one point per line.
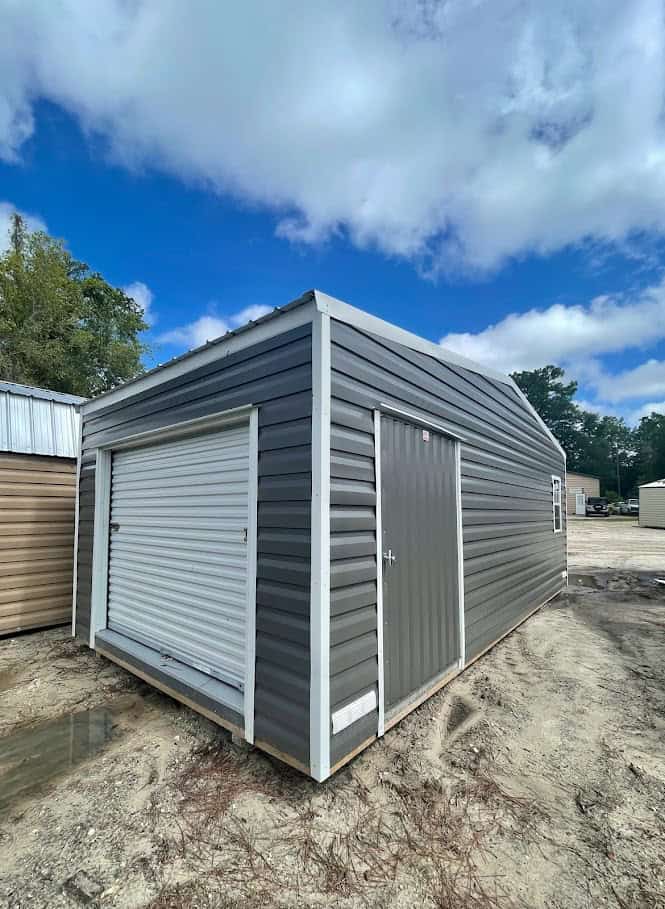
305 528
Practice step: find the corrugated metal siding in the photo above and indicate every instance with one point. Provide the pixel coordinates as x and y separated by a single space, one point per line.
507 463
37 496
652 506
421 635
178 555
275 375
31 425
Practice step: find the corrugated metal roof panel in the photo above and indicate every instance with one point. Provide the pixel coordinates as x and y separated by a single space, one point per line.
37 424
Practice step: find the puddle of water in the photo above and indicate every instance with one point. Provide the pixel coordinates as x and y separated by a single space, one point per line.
33 757
7 678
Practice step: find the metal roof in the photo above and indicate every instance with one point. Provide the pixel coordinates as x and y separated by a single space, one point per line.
654 484
38 421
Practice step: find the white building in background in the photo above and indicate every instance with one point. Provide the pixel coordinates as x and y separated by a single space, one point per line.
652 504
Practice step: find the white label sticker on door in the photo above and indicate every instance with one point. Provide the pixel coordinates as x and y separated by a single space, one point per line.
425 435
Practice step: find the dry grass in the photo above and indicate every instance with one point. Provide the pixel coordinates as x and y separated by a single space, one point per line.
405 842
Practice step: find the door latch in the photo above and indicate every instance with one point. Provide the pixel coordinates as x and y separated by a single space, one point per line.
389 557
115 526
244 534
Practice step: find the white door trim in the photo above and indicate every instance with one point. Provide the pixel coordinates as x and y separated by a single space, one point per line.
100 545
319 704
391 412
379 572
76 521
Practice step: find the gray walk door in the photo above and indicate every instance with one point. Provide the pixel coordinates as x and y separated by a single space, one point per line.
420 584
178 567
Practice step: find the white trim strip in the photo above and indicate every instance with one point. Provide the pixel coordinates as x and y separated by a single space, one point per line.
319 717
379 573
343 312
420 420
275 324
460 554
252 543
184 428
100 544
76 522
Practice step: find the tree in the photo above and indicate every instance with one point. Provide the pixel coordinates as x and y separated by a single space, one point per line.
649 440
602 446
553 400
63 326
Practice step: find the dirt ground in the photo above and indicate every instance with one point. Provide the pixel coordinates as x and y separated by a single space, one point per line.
535 779
615 542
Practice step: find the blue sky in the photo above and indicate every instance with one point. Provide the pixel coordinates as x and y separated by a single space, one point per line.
513 209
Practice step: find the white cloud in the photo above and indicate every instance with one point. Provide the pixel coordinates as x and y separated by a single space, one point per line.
451 133
32 222
143 297
645 410
568 334
208 327
644 381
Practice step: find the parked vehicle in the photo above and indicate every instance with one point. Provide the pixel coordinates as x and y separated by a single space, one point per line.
632 506
597 506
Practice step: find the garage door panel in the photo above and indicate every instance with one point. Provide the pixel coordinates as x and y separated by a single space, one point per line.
178 560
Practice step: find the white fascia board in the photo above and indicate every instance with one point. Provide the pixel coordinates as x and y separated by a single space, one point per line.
341 311
276 323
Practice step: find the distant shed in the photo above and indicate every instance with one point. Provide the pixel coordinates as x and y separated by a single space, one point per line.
39 437
652 504
305 528
580 484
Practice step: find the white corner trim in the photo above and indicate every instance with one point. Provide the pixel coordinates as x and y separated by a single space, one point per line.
76 521
275 324
319 707
354 711
252 542
343 312
100 544
379 573
460 554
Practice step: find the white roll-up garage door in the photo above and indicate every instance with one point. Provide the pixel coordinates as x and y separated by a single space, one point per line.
178 566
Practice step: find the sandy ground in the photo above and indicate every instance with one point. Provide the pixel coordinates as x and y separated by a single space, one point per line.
535 779
615 542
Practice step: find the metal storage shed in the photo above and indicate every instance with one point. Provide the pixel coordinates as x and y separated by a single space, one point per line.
652 504
39 440
306 527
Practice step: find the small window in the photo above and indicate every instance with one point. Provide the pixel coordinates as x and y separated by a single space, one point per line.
556 503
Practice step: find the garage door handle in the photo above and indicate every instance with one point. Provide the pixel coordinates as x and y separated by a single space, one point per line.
115 526
389 557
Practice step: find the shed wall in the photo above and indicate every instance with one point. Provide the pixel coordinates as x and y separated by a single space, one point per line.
577 482
37 499
276 376
513 561
652 506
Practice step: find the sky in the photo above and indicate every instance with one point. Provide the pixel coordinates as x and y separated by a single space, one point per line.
489 174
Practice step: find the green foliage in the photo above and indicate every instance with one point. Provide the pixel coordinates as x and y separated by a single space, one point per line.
602 446
62 326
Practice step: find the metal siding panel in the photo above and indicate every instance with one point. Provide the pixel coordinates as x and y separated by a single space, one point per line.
505 451
284 422
37 425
